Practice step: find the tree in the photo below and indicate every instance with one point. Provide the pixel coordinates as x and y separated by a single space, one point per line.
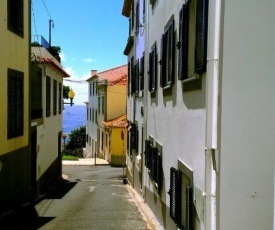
77 140
66 90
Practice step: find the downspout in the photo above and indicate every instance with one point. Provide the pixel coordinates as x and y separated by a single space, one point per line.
145 96
212 84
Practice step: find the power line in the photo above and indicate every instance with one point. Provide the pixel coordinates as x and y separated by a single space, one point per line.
47 10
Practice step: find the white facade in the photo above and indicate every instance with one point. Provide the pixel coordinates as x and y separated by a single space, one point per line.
48 126
216 134
91 123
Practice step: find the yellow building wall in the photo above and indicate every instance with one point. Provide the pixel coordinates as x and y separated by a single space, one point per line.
118 146
15 54
116 101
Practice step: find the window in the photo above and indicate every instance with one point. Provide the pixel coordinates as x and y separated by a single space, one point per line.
54 97
15 16
134 137
60 98
153 162
141 73
192 54
133 76
153 69
15 103
133 16
181 196
167 56
103 104
90 89
48 96
93 115
129 75
137 77
137 18
99 104
90 114
36 92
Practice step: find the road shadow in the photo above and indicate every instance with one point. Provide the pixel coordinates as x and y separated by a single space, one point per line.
24 218
61 190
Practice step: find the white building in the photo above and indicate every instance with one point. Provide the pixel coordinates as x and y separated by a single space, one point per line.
208 112
46 118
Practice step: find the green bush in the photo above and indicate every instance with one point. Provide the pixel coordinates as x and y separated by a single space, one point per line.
77 140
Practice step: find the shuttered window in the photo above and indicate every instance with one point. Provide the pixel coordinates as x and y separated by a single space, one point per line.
60 98
133 76
129 77
36 92
15 16
153 162
153 69
141 72
192 44
167 62
201 36
54 97
181 198
137 83
15 103
137 18
48 96
183 42
174 194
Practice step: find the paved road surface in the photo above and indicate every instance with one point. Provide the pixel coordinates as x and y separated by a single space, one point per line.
94 197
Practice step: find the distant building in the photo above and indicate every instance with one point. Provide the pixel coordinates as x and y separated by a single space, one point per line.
117 131
107 101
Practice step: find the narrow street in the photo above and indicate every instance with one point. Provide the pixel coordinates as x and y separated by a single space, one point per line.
93 197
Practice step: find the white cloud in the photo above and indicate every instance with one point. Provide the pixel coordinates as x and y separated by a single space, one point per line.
62 56
78 84
89 60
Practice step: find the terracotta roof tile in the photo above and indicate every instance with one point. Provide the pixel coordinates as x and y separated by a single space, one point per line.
112 74
51 62
119 122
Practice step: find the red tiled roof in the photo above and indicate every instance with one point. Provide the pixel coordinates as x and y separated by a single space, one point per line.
113 74
52 63
119 122
121 81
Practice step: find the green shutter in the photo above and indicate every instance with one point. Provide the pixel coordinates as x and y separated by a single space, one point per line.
171 54
201 36
174 194
15 103
163 61
137 77
183 42
141 82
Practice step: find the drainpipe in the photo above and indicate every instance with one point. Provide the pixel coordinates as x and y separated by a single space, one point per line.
212 81
145 96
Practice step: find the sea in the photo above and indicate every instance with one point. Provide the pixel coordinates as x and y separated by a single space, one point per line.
73 117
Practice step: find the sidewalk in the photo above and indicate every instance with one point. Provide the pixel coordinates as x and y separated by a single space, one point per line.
86 161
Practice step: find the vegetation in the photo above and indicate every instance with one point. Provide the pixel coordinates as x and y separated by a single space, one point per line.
76 142
35 44
69 158
54 50
66 90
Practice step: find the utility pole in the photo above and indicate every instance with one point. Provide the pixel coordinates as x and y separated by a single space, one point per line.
50 32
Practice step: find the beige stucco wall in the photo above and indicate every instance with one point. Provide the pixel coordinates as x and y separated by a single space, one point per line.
15 55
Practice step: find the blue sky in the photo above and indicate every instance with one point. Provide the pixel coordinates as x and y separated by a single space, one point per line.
92 34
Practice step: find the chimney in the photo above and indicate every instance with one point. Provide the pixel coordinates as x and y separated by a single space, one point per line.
94 72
